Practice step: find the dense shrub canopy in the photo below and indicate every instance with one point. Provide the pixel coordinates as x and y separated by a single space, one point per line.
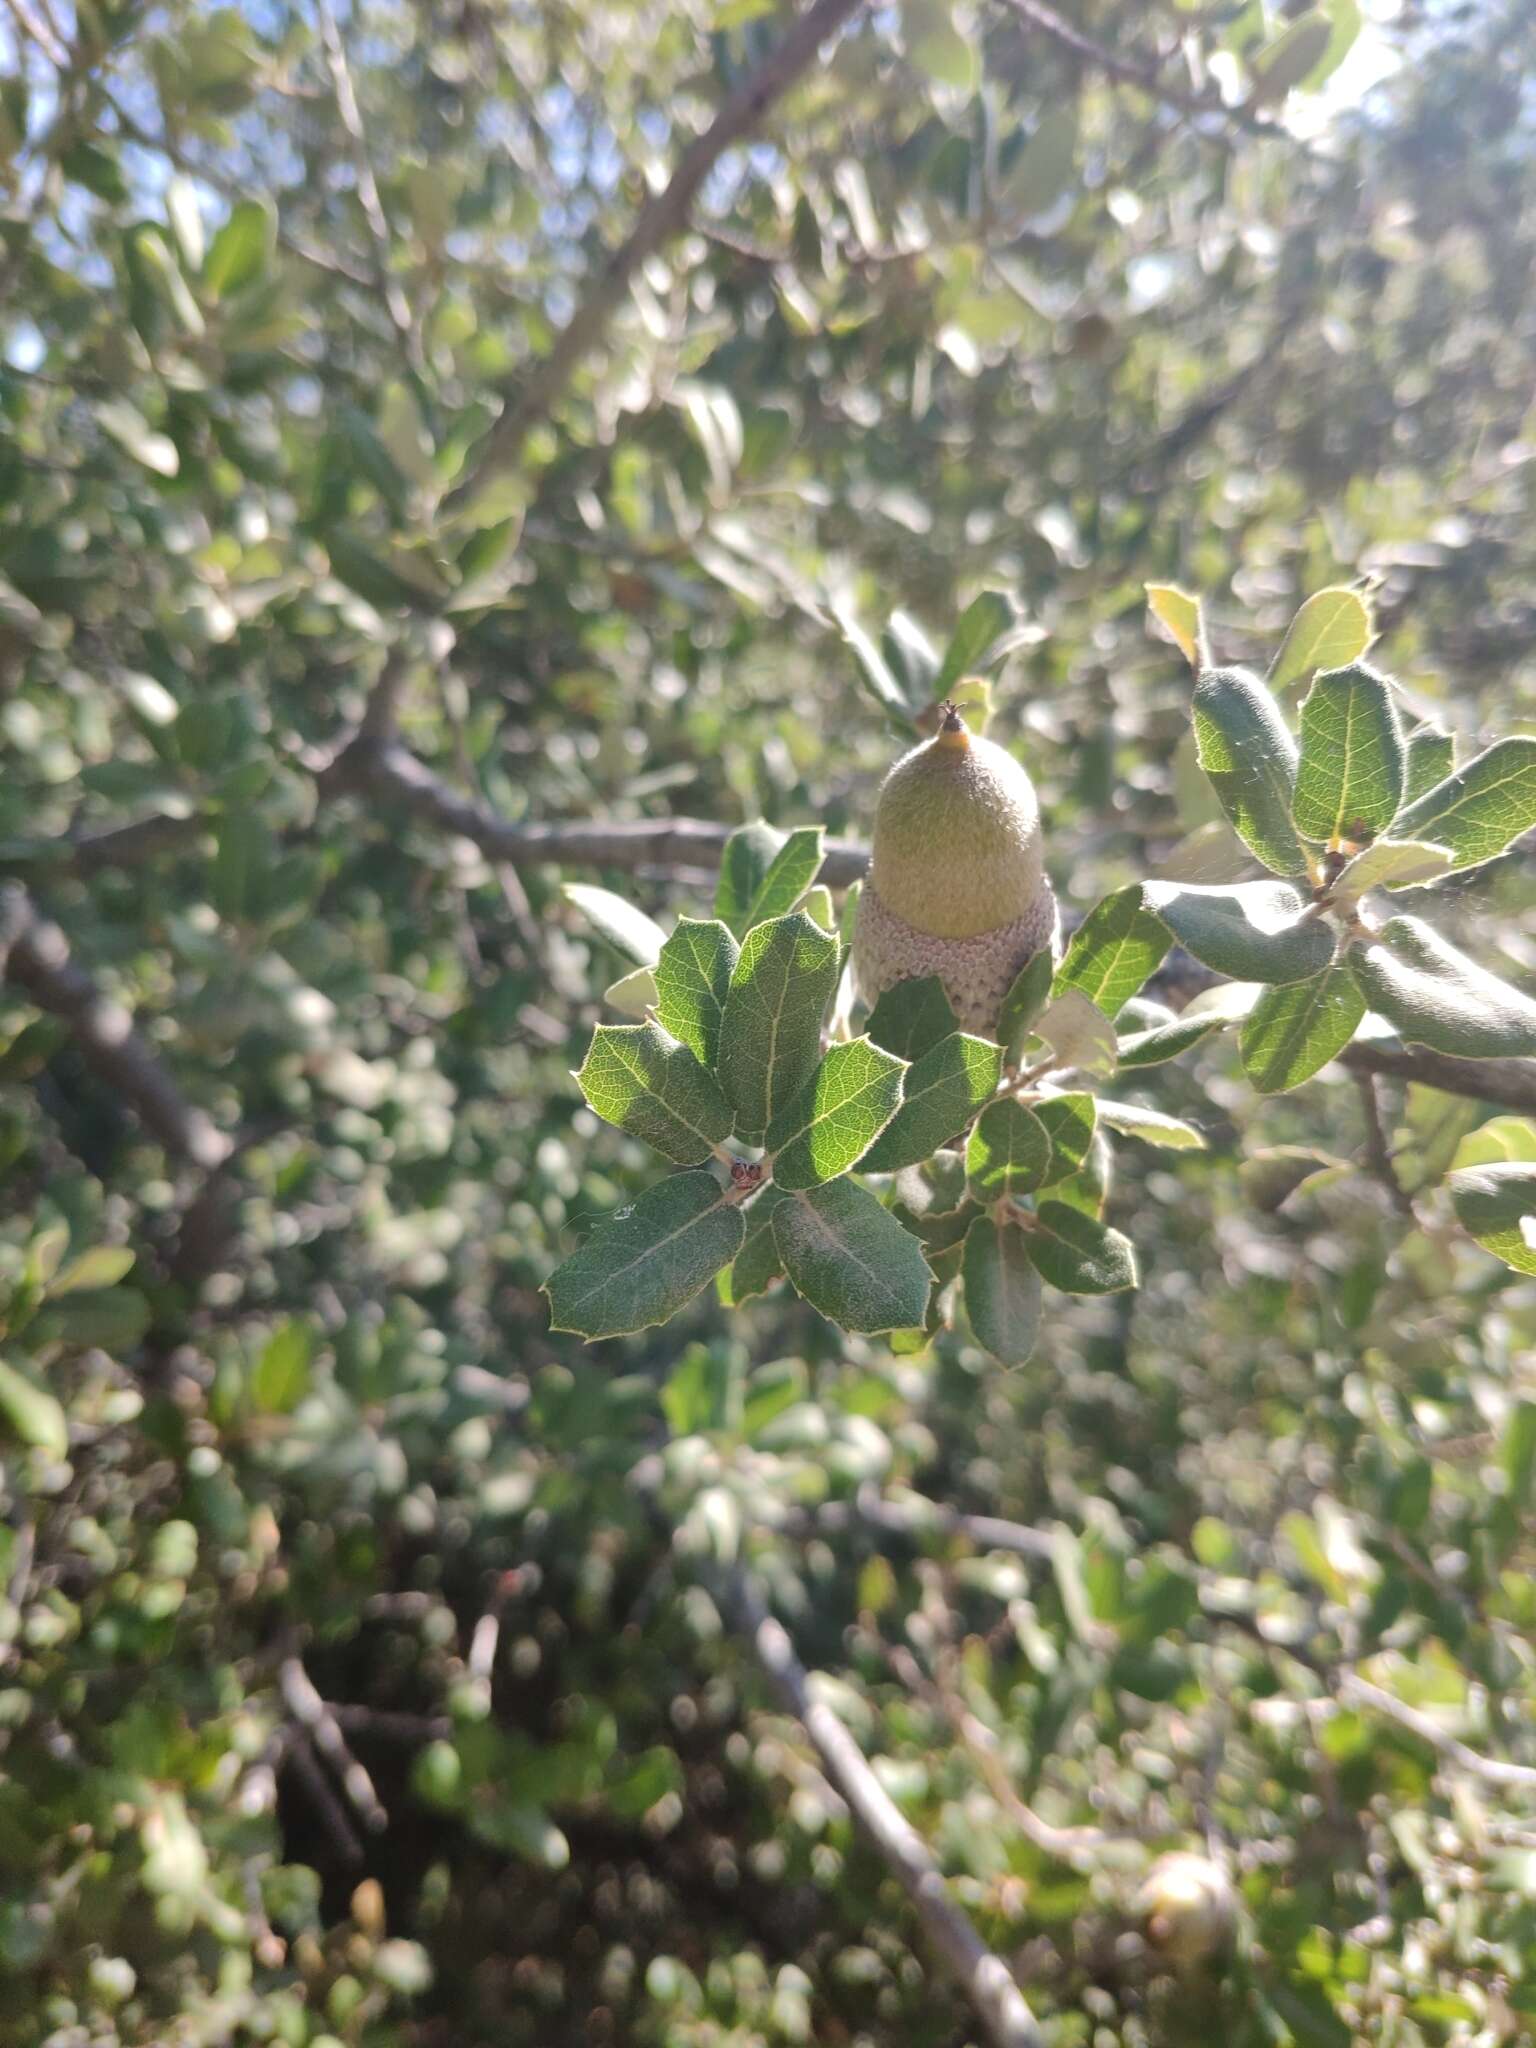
379 1664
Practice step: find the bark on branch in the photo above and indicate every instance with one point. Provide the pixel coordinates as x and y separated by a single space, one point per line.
1509 1083
388 769
983 1977
915 1517
660 219
34 954
1356 1691
374 763
1143 73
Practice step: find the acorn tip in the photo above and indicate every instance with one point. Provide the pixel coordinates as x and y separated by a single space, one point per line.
953 731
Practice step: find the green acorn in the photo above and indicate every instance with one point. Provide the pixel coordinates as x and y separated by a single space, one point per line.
957 884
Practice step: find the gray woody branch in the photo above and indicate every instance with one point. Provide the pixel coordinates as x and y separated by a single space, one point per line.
34 954
660 219
983 1977
376 764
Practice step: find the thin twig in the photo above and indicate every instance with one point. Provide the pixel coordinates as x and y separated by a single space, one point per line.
1507 1083
1141 72
1493 1770
691 843
125 846
388 1726
38 31
983 1977
395 302
513 894
35 955
1378 1152
915 1517
372 762
663 217
1078 1847
321 1728
332 1812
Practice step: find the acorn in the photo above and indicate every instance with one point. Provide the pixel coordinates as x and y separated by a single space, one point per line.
957 884
1190 1908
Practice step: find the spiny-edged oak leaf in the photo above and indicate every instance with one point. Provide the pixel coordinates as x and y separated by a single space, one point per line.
641 1079
836 1117
771 1031
851 1259
642 1264
941 1093
693 977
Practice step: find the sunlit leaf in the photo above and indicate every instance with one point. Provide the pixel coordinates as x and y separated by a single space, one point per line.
941 1093
749 853
1179 615
1391 864
1153 1126
693 977
789 874
984 633
1079 1254
1115 949
912 1017
1482 807
1008 1151
641 1079
30 1415
1253 931
622 924
837 1115
1293 1031
242 248
1079 1034
757 1266
1353 757
129 428
1334 627
1026 998
1437 997
770 1034
1497 1206
1069 1121
1248 753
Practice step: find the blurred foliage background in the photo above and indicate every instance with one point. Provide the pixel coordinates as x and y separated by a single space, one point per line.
367 1666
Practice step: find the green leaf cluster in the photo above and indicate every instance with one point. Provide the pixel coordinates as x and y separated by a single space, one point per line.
738 1073
1356 802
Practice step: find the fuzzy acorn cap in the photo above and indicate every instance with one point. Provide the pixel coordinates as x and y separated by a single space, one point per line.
957 848
976 972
